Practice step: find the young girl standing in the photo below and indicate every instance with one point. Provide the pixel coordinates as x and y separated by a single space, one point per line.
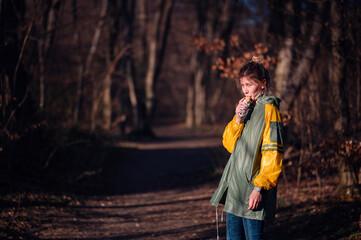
254 138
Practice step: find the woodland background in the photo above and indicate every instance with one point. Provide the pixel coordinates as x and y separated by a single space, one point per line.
73 72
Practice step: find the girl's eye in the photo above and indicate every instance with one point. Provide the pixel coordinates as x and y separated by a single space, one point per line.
246 85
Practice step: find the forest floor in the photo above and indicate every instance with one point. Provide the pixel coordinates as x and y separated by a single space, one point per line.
160 189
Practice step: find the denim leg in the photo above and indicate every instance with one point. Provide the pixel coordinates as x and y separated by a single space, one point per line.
253 229
235 230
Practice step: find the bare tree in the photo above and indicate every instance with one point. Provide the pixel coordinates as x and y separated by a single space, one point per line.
157 43
128 61
304 67
47 35
190 104
337 73
112 60
79 62
214 20
14 79
337 68
93 48
224 25
285 54
196 90
84 67
107 105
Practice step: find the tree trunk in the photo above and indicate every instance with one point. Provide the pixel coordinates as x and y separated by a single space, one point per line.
196 90
79 93
214 20
132 93
107 103
128 61
313 100
149 78
96 36
303 69
107 110
338 98
52 21
358 87
79 63
156 44
337 69
283 68
107 82
200 95
214 102
93 48
49 22
226 23
143 26
41 74
190 106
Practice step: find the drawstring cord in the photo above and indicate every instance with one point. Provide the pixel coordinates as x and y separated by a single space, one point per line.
217 221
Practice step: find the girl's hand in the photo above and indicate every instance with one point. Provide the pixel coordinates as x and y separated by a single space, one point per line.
254 200
241 108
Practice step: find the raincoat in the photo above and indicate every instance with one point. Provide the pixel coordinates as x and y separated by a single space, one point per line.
256 148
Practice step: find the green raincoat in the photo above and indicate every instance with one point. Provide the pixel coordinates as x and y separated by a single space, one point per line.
256 160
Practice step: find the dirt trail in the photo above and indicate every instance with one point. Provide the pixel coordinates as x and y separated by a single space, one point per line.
161 190
166 195
177 158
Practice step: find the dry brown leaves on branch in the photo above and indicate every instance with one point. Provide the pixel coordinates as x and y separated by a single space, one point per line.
351 149
230 66
324 154
202 44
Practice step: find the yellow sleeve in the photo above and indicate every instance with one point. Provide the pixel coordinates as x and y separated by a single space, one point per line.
231 134
272 149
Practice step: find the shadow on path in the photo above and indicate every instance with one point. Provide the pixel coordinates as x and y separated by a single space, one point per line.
177 158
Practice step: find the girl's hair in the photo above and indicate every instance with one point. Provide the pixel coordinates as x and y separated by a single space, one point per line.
254 71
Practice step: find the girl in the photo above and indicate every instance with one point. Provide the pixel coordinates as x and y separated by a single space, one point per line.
254 138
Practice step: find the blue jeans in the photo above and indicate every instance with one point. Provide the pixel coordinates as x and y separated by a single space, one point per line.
239 228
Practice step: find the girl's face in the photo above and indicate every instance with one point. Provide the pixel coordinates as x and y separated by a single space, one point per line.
251 88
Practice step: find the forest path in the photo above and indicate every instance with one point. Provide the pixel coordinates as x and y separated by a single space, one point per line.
162 193
178 157
160 189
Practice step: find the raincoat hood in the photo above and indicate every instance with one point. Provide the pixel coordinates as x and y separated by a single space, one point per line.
269 100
